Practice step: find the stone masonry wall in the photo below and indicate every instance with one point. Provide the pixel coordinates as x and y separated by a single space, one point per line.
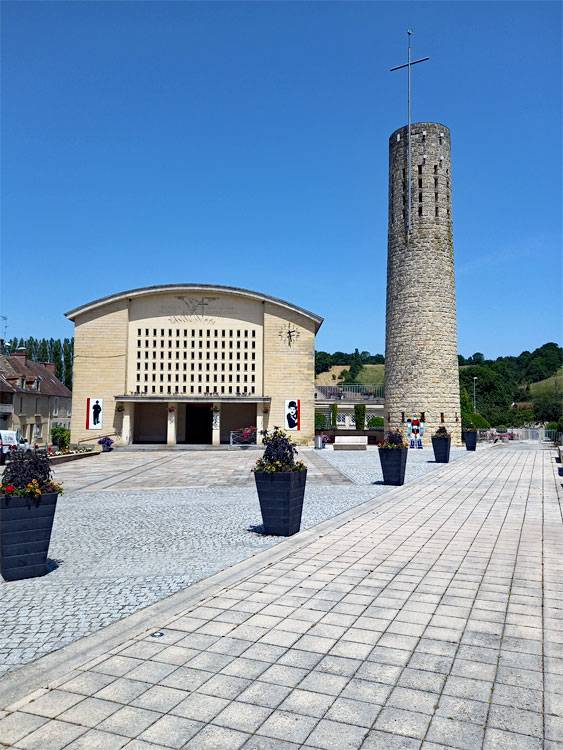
421 365
289 371
100 368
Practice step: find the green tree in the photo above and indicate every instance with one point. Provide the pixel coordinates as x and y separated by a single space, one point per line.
548 406
334 415
323 362
67 362
57 358
360 416
42 354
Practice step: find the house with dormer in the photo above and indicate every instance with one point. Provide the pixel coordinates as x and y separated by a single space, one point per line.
32 398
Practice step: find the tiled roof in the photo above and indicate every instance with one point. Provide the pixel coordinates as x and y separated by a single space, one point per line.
5 387
13 368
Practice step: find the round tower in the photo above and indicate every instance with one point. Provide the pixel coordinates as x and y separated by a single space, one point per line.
421 364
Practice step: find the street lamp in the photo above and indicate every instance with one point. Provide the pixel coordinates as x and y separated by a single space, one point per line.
474 402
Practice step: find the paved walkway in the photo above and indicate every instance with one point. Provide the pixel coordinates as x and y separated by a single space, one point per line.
432 619
130 531
140 470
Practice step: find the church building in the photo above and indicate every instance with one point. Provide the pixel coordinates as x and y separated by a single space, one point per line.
192 364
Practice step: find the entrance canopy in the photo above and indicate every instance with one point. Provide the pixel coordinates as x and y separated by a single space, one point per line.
174 419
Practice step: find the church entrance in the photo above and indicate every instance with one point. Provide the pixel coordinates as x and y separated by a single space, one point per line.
150 423
198 424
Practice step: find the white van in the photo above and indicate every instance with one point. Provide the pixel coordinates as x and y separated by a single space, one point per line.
9 438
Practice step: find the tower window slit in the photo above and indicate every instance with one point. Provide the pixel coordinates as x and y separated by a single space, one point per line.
420 169
420 210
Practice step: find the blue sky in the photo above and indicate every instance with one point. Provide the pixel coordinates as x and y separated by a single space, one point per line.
246 144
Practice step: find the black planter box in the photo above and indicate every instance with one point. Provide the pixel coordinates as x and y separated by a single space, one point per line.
441 448
281 500
25 533
393 464
470 439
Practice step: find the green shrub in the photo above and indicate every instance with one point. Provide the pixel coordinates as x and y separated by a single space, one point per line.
360 416
60 436
333 414
320 420
502 428
374 422
552 426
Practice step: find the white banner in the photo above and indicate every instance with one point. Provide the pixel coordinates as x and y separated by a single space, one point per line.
94 413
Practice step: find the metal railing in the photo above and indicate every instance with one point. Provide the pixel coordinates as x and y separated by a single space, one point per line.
538 434
350 392
246 436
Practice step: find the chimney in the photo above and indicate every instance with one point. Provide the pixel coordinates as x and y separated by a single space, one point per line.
49 366
21 354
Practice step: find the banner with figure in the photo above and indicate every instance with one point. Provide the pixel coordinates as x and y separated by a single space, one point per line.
293 414
94 413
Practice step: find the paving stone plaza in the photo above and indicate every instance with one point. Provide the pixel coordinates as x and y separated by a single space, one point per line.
426 616
133 528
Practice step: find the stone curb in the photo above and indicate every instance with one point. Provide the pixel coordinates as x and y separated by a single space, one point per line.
38 674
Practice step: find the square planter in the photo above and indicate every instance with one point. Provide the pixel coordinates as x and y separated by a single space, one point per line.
281 500
393 464
25 533
441 448
470 439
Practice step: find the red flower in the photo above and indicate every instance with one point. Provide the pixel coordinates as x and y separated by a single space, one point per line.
9 488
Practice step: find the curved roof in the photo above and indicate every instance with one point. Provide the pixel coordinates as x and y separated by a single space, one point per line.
151 290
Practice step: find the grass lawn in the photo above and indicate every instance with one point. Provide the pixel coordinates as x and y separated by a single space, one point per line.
369 375
548 385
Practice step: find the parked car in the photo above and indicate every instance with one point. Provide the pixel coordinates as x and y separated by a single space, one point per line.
10 439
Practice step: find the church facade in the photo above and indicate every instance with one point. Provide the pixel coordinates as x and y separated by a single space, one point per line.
192 364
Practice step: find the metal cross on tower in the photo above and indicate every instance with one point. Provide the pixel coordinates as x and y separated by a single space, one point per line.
409 65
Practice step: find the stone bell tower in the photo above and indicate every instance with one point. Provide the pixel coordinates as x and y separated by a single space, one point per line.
421 364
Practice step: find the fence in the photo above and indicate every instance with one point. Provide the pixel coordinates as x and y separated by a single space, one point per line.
352 392
538 435
243 437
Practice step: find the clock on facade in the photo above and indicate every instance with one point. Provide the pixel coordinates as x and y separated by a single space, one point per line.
289 334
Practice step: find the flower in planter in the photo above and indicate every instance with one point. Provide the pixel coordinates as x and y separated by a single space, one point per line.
29 475
106 443
441 432
394 439
279 454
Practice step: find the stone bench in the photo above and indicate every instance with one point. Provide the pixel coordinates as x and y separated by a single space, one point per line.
350 443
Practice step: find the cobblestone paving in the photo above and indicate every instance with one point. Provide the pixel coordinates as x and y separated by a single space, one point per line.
433 620
115 551
121 470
